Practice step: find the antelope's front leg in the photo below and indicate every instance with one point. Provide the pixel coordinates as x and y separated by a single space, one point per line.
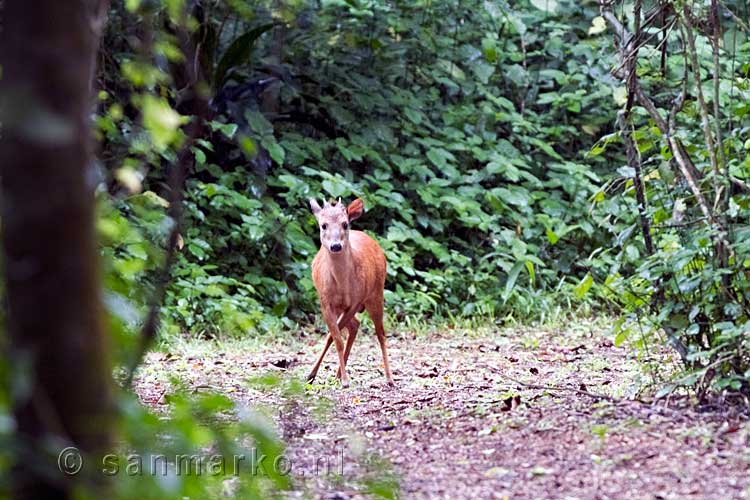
329 341
314 371
331 319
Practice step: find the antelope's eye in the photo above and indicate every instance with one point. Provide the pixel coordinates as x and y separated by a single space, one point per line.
324 227
345 225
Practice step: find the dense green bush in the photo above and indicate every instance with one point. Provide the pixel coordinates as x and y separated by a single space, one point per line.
691 289
464 127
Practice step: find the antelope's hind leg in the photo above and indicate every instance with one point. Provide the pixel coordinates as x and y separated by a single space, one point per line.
375 310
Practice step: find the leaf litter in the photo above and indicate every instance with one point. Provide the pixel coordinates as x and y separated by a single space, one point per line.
487 415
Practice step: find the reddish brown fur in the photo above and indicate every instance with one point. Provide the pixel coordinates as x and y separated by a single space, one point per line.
348 281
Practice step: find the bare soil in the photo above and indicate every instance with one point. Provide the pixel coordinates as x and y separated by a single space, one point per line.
520 413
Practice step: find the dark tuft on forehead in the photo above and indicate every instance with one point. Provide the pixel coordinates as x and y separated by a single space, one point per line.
335 212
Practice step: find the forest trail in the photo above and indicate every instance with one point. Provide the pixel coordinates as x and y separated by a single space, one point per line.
525 413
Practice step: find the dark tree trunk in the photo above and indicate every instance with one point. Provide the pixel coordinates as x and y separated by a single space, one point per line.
271 103
54 313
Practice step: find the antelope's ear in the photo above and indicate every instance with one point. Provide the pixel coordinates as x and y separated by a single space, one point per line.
355 209
314 206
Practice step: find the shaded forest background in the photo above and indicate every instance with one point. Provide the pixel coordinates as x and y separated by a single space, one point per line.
466 128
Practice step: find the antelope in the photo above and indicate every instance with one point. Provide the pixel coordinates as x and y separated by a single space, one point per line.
349 275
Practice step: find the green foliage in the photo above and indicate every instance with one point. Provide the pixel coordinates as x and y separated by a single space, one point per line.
238 53
464 130
205 448
482 139
691 293
127 230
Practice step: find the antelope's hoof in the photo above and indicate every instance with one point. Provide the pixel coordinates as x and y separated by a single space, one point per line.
344 384
390 382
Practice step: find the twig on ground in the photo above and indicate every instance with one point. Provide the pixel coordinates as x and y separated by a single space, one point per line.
392 406
568 389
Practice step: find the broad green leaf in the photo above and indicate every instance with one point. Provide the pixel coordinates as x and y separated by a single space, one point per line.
545 5
275 150
584 286
532 273
452 69
200 156
248 146
259 123
622 336
440 157
162 122
552 237
483 71
414 116
620 95
512 278
130 178
238 53
489 50
598 25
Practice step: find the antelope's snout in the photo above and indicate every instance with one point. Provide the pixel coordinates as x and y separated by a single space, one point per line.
336 247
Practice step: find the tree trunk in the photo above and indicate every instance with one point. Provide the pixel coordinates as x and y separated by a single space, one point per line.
54 314
271 96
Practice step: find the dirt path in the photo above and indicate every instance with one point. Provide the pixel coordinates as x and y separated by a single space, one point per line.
470 418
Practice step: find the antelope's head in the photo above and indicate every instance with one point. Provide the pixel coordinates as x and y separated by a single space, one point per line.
333 220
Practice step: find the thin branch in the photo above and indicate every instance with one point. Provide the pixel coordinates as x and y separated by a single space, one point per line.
559 388
681 224
661 46
682 164
702 106
625 37
685 164
717 112
634 50
682 159
736 18
635 164
739 183
632 59
627 137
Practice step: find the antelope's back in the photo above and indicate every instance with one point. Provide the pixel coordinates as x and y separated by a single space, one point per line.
369 257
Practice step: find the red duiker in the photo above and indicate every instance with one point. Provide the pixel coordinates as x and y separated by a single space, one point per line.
349 274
